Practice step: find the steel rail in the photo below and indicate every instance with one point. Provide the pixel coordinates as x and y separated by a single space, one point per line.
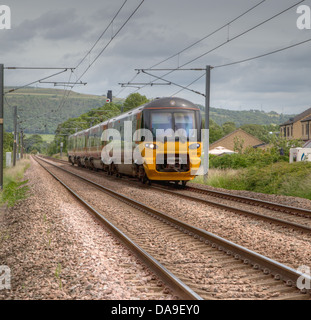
279 221
266 204
262 203
280 271
181 289
273 205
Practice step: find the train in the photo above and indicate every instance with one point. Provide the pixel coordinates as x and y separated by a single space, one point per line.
157 141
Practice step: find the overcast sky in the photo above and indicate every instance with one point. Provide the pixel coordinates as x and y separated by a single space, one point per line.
60 33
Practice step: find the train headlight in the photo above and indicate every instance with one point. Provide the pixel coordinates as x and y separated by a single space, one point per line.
151 146
194 146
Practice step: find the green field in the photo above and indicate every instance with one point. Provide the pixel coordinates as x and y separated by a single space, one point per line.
46 137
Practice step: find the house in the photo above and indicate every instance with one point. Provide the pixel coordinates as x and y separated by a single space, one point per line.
306 129
237 139
220 151
298 127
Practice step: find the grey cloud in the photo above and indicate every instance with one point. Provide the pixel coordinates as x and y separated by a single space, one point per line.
62 32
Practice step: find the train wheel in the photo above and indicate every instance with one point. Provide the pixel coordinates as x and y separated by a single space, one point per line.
111 170
184 183
144 178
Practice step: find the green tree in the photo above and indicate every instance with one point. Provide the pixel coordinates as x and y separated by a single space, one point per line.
83 122
238 145
34 142
215 132
8 140
228 127
133 101
258 131
282 145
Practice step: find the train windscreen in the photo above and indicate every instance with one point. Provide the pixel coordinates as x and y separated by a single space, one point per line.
172 120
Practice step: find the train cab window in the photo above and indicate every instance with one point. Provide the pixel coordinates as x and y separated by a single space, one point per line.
172 120
162 121
184 121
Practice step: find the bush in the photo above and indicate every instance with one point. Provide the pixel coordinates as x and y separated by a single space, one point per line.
251 158
280 178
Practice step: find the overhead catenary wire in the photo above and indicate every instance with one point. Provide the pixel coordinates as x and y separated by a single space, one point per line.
176 84
62 101
263 55
103 33
247 60
190 84
243 33
34 82
210 34
195 43
101 52
68 92
228 41
112 38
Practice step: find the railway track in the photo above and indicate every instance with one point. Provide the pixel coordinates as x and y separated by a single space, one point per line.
170 279
290 217
209 254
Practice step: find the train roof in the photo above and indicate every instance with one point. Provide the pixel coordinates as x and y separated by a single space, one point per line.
171 103
167 102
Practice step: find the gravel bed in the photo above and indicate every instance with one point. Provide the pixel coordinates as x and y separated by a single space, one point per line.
290 247
57 250
306 221
205 267
285 200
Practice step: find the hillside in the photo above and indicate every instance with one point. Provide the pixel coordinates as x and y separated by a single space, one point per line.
35 101
220 116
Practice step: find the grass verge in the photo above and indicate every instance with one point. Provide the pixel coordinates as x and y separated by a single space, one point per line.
279 178
14 185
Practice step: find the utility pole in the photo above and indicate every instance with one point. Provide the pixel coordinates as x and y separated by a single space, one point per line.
207 116
1 123
15 136
22 144
19 142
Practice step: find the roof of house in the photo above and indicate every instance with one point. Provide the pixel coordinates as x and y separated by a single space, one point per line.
232 133
220 151
307 119
297 118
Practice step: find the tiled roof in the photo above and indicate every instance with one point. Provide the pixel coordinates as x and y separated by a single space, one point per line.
307 119
298 118
233 132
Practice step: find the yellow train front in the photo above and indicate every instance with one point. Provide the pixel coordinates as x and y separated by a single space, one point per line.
164 142
174 152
